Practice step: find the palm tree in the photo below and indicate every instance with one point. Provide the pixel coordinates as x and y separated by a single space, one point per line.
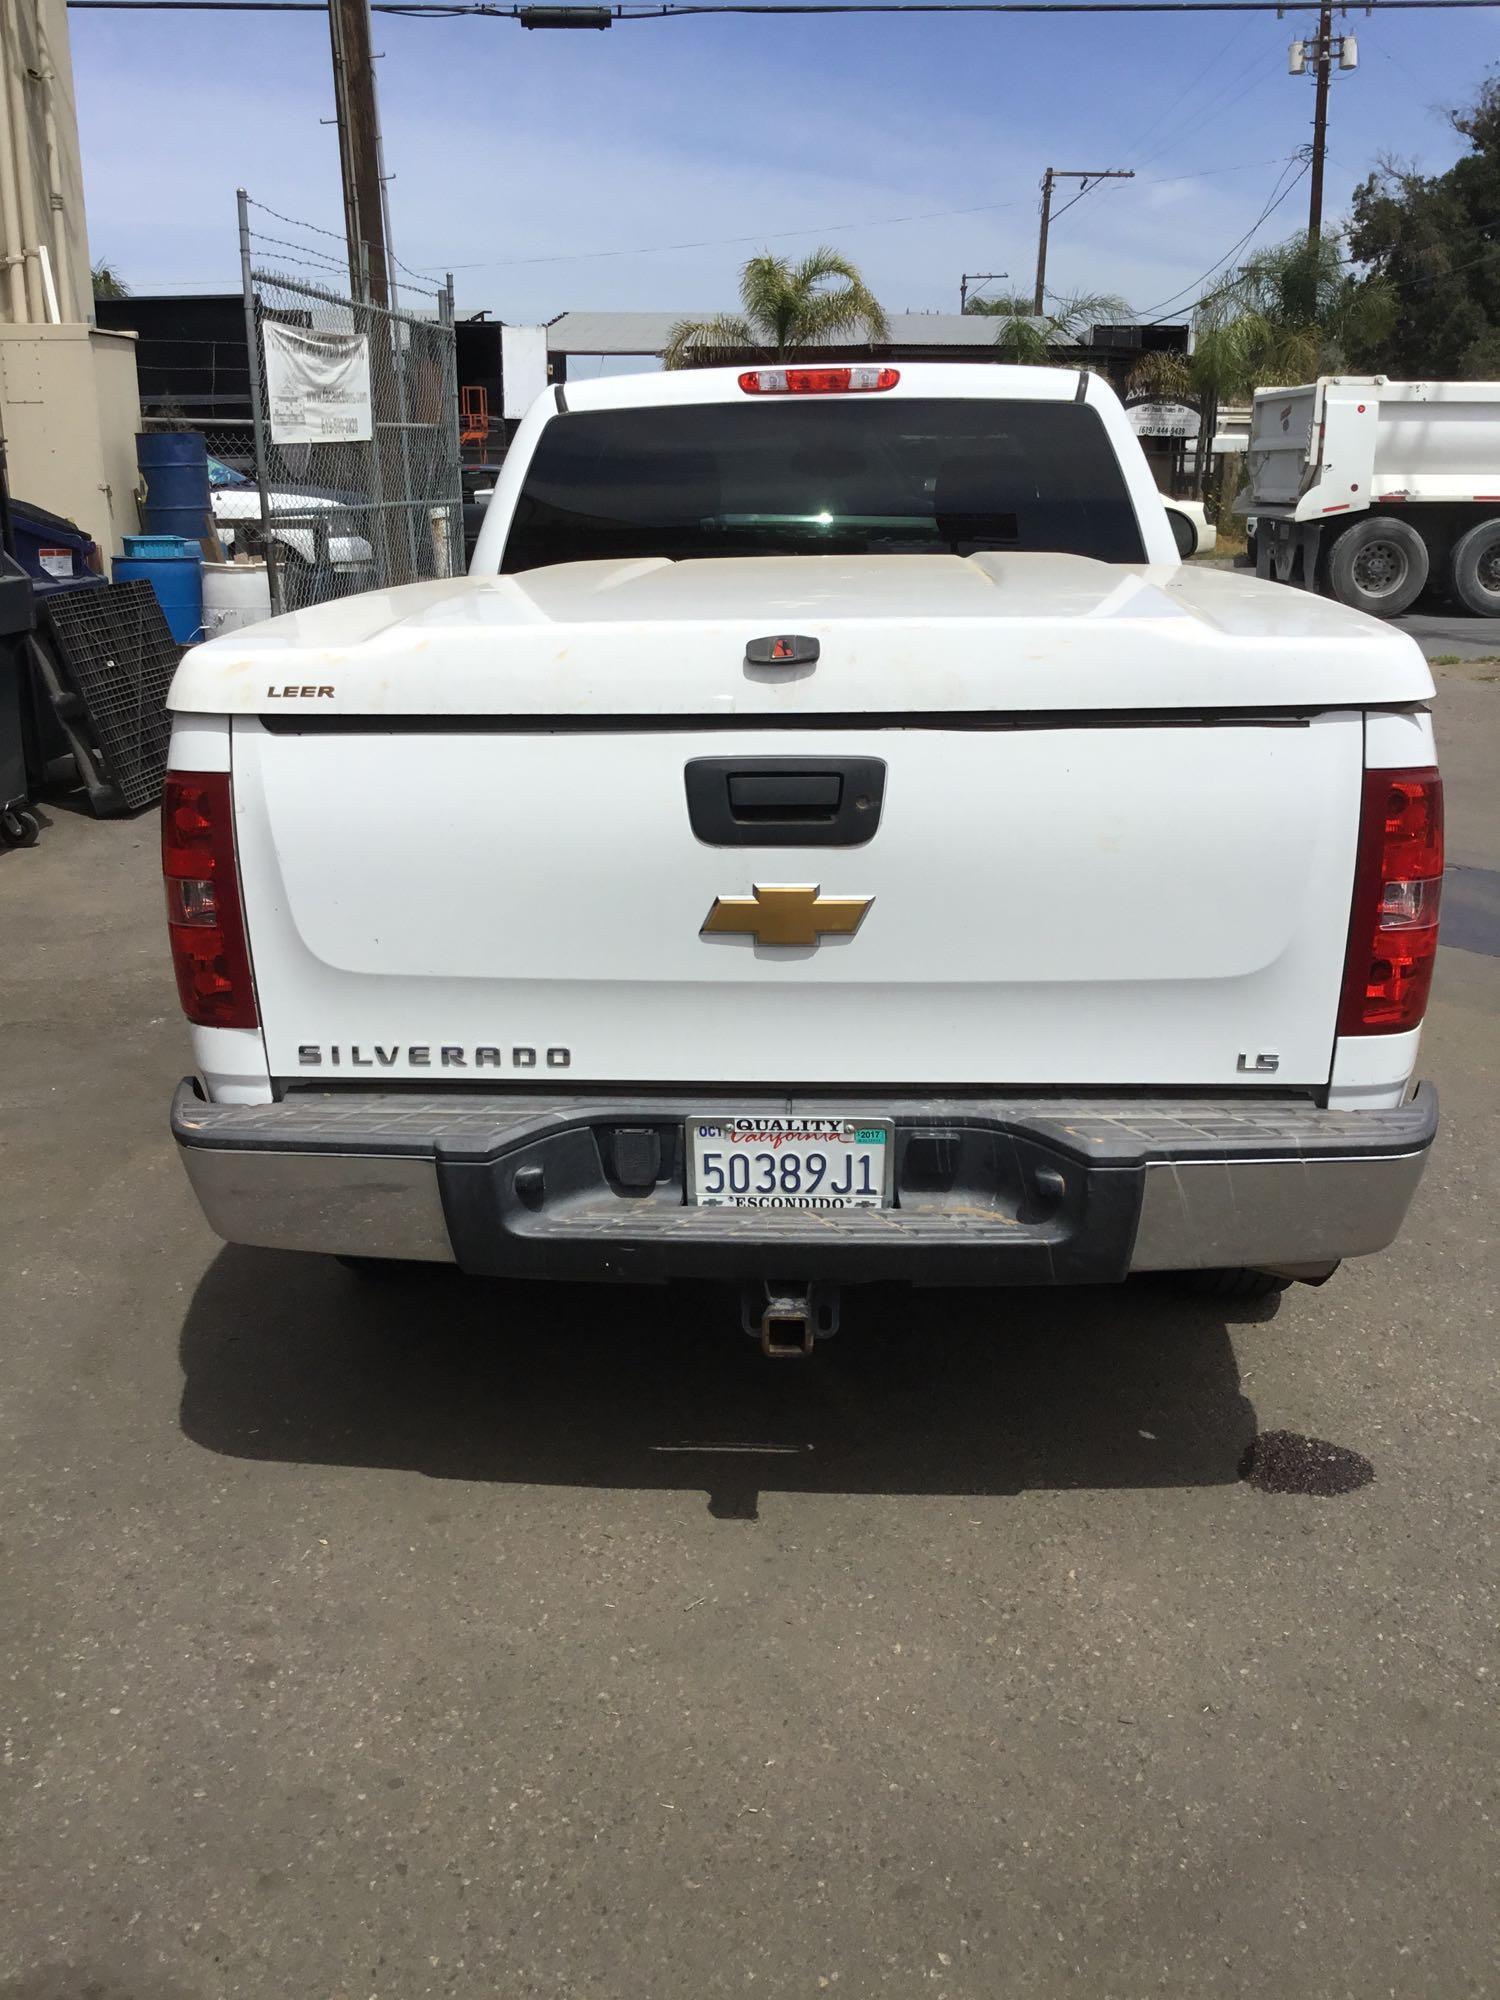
1163 378
1031 339
785 307
1177 378
108 284
1289 314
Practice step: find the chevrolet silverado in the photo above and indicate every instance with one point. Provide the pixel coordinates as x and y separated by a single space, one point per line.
828 836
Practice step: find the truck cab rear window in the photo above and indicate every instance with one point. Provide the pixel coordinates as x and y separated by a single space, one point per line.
918 476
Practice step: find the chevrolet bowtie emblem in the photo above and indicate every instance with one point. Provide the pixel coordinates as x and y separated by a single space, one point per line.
796 913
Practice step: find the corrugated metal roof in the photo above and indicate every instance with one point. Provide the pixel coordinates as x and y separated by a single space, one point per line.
648 332
613 332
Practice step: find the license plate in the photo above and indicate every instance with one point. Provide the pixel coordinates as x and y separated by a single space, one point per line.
796 1163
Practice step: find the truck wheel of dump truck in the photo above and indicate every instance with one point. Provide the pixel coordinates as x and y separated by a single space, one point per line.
1379 565
1476 569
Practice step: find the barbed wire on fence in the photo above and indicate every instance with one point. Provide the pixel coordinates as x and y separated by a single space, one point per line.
295 221
427 279
305 256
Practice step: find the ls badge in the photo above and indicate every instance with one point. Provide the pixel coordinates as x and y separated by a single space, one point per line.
797 913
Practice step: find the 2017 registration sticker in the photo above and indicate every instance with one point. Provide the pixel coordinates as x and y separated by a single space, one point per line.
787 1162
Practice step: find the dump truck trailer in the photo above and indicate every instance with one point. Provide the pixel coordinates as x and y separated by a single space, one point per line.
1370 490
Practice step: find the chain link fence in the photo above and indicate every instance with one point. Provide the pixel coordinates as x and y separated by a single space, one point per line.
361 514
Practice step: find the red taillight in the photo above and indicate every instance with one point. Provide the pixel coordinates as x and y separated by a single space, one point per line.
204 920
1398 881
816 381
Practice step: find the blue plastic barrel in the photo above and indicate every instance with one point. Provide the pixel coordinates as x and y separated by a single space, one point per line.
174 465
177 580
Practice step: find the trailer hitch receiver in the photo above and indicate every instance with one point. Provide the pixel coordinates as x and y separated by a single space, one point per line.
789 1316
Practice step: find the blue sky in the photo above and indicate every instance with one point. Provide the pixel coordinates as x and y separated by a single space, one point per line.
515 152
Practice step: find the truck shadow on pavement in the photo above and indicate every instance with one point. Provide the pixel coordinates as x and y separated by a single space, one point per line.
291 1358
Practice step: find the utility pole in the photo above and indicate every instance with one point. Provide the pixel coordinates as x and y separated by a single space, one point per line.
359 148
968 278
1049 179
1316 58
1041 243
1320 125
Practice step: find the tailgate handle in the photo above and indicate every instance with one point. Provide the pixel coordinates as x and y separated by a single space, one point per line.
785 801
771 795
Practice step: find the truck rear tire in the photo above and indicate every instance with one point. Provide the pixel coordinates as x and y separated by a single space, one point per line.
1475 571
1233 1284
385 1270
1379 565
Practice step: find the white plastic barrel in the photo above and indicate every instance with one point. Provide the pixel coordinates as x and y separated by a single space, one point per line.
234 594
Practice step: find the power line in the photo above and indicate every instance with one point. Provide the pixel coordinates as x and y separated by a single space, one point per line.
1187 88
682 9
1254 77
823 229
1089 187
1270 208
1049 180
812 229
727 242
1278 196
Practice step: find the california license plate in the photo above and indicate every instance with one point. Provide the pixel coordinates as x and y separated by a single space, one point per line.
802 1163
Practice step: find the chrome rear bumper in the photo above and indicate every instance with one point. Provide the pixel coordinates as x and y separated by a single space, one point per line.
989 1191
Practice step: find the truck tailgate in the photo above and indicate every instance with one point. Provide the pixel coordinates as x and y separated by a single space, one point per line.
1081 900
1280 451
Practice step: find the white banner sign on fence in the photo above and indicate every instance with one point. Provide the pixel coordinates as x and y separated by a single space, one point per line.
318 385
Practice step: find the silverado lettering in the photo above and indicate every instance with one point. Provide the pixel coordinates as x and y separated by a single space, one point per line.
419 1055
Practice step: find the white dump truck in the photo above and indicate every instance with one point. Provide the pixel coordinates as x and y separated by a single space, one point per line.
1370 489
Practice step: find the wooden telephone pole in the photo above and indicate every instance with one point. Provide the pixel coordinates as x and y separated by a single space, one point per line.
1320 124
359 149
1053 175
1317 57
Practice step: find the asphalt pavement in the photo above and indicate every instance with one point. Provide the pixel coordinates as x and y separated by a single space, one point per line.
367 1643
1453 636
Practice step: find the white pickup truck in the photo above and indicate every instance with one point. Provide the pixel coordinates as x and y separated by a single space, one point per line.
1372 490
829 836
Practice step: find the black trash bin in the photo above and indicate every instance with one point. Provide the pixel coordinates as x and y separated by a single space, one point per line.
19 825
59 557
51 548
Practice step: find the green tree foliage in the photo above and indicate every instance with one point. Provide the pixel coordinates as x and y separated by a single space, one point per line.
1291 313
1433 241
1164 377
108 284
785 307
1024 337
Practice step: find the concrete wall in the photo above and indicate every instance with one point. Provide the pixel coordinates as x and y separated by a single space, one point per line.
41 174
69 406
69 411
